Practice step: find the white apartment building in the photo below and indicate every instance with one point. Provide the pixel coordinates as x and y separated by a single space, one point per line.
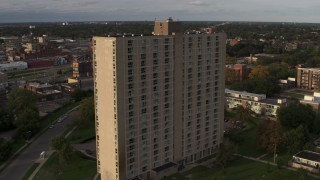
258 103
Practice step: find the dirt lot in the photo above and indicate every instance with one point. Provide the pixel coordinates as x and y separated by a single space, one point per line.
50 106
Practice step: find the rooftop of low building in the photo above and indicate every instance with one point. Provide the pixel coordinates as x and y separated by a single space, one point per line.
309 155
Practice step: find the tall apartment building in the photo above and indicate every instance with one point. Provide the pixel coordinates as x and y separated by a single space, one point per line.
308 78
158 101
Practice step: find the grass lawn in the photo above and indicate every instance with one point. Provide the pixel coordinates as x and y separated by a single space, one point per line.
284 157
81 135
76 168
303 92
18 143
30 171
294 95
230 114
248 146
239 169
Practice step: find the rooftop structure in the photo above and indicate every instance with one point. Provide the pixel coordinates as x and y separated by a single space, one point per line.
13 66
307 160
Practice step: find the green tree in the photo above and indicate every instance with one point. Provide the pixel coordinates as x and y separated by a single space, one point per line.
269 136
63 147
259 72
293 115
28 121
6 120
281 70
87 109
78 94
19 99
86 116
316 125
5 149
225 153
296 139
244 112
258 85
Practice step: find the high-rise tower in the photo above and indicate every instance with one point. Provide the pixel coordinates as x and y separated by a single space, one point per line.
158 100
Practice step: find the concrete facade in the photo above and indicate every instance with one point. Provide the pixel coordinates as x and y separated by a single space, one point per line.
158 100
308 78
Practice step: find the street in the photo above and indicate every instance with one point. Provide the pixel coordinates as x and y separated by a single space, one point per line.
21 164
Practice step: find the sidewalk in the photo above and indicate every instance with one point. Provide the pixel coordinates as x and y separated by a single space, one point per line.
41 163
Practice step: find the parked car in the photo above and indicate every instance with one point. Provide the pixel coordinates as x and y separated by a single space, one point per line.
60 120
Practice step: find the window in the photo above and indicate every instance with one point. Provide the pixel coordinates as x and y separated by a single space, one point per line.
155 55
155 75
130 72
144 130
166 40
130 78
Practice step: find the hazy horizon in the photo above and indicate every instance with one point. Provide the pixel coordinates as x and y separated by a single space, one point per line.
15 11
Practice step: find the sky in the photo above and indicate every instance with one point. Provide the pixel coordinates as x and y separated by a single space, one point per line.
149 10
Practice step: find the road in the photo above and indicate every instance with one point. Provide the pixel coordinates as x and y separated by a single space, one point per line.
21 164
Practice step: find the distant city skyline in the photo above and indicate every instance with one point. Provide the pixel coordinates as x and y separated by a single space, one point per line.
141 10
